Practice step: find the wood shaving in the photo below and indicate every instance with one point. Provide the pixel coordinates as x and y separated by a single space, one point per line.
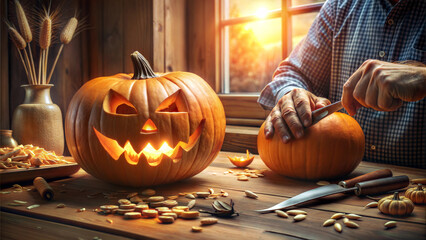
33 206
26 156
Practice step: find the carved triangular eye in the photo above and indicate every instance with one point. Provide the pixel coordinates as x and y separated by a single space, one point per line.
115 103
174 103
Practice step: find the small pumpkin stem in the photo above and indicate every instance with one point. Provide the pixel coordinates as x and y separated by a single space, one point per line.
396 196
142 69
419 187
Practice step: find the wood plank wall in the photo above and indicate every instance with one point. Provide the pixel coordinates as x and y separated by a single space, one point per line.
114 29
4 71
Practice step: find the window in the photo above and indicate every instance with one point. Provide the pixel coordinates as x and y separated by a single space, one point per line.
255 36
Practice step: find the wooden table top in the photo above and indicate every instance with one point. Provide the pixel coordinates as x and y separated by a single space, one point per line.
84 191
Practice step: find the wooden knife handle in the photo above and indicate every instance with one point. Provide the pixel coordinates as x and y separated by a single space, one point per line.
381 185
382 173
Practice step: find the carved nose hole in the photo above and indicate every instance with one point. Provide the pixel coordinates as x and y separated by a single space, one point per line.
149 127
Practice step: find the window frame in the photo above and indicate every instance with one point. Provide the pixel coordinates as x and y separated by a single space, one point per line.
237 104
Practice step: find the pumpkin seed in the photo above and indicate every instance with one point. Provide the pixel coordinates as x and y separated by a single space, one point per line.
148 192
191 204
109 207
225 194
166 219
372 205
135 199
353 216
260 175
132 215
296 212
173 197
208 221
338 227
121 211
20 202
155 199
337 216
323 183
141 207
109 221
60 205
190 214
178 211
328 222
124 201
196 229
202 194
128 206
130 195
156 204
170 203
243 178
211 190
190 196
390 224
184 208
163 210
81 210
299 217
345 220
150 213
170 214
251 194
281 214
351 224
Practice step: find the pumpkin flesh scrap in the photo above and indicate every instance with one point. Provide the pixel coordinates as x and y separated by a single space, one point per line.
153 156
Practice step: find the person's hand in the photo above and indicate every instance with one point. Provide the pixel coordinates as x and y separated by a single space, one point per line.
292 114
383 86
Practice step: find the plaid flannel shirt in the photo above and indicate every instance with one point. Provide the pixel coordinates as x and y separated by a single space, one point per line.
344 35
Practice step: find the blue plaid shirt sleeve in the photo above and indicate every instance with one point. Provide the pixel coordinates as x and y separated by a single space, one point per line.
309 64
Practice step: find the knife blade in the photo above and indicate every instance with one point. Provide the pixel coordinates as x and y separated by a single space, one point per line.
323 112
373 182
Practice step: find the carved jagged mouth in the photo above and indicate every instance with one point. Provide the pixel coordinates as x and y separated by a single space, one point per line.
153 156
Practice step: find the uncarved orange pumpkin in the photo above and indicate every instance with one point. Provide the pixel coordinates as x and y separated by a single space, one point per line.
331 148
145 129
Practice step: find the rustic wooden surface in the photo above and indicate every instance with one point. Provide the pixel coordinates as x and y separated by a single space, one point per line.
11 176
74 191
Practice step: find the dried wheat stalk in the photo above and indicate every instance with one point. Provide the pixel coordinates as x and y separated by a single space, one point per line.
23 39
66 37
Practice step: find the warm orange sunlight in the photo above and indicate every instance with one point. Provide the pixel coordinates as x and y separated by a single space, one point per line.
262 13
267 32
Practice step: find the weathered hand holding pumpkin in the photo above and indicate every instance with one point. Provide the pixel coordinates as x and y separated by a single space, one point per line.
146 130
329 149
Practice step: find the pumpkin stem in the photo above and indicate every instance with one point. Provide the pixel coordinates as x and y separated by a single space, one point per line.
141 67
396 196
419 187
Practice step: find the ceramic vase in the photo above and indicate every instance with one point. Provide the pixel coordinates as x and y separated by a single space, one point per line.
6 139
38 121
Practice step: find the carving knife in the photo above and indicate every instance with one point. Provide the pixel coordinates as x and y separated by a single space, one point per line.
374 182
323 112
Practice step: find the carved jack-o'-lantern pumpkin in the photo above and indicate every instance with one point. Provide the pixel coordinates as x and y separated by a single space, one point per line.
146 130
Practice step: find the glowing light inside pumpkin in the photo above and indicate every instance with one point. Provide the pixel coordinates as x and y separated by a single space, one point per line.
152 153
149 127
153 156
